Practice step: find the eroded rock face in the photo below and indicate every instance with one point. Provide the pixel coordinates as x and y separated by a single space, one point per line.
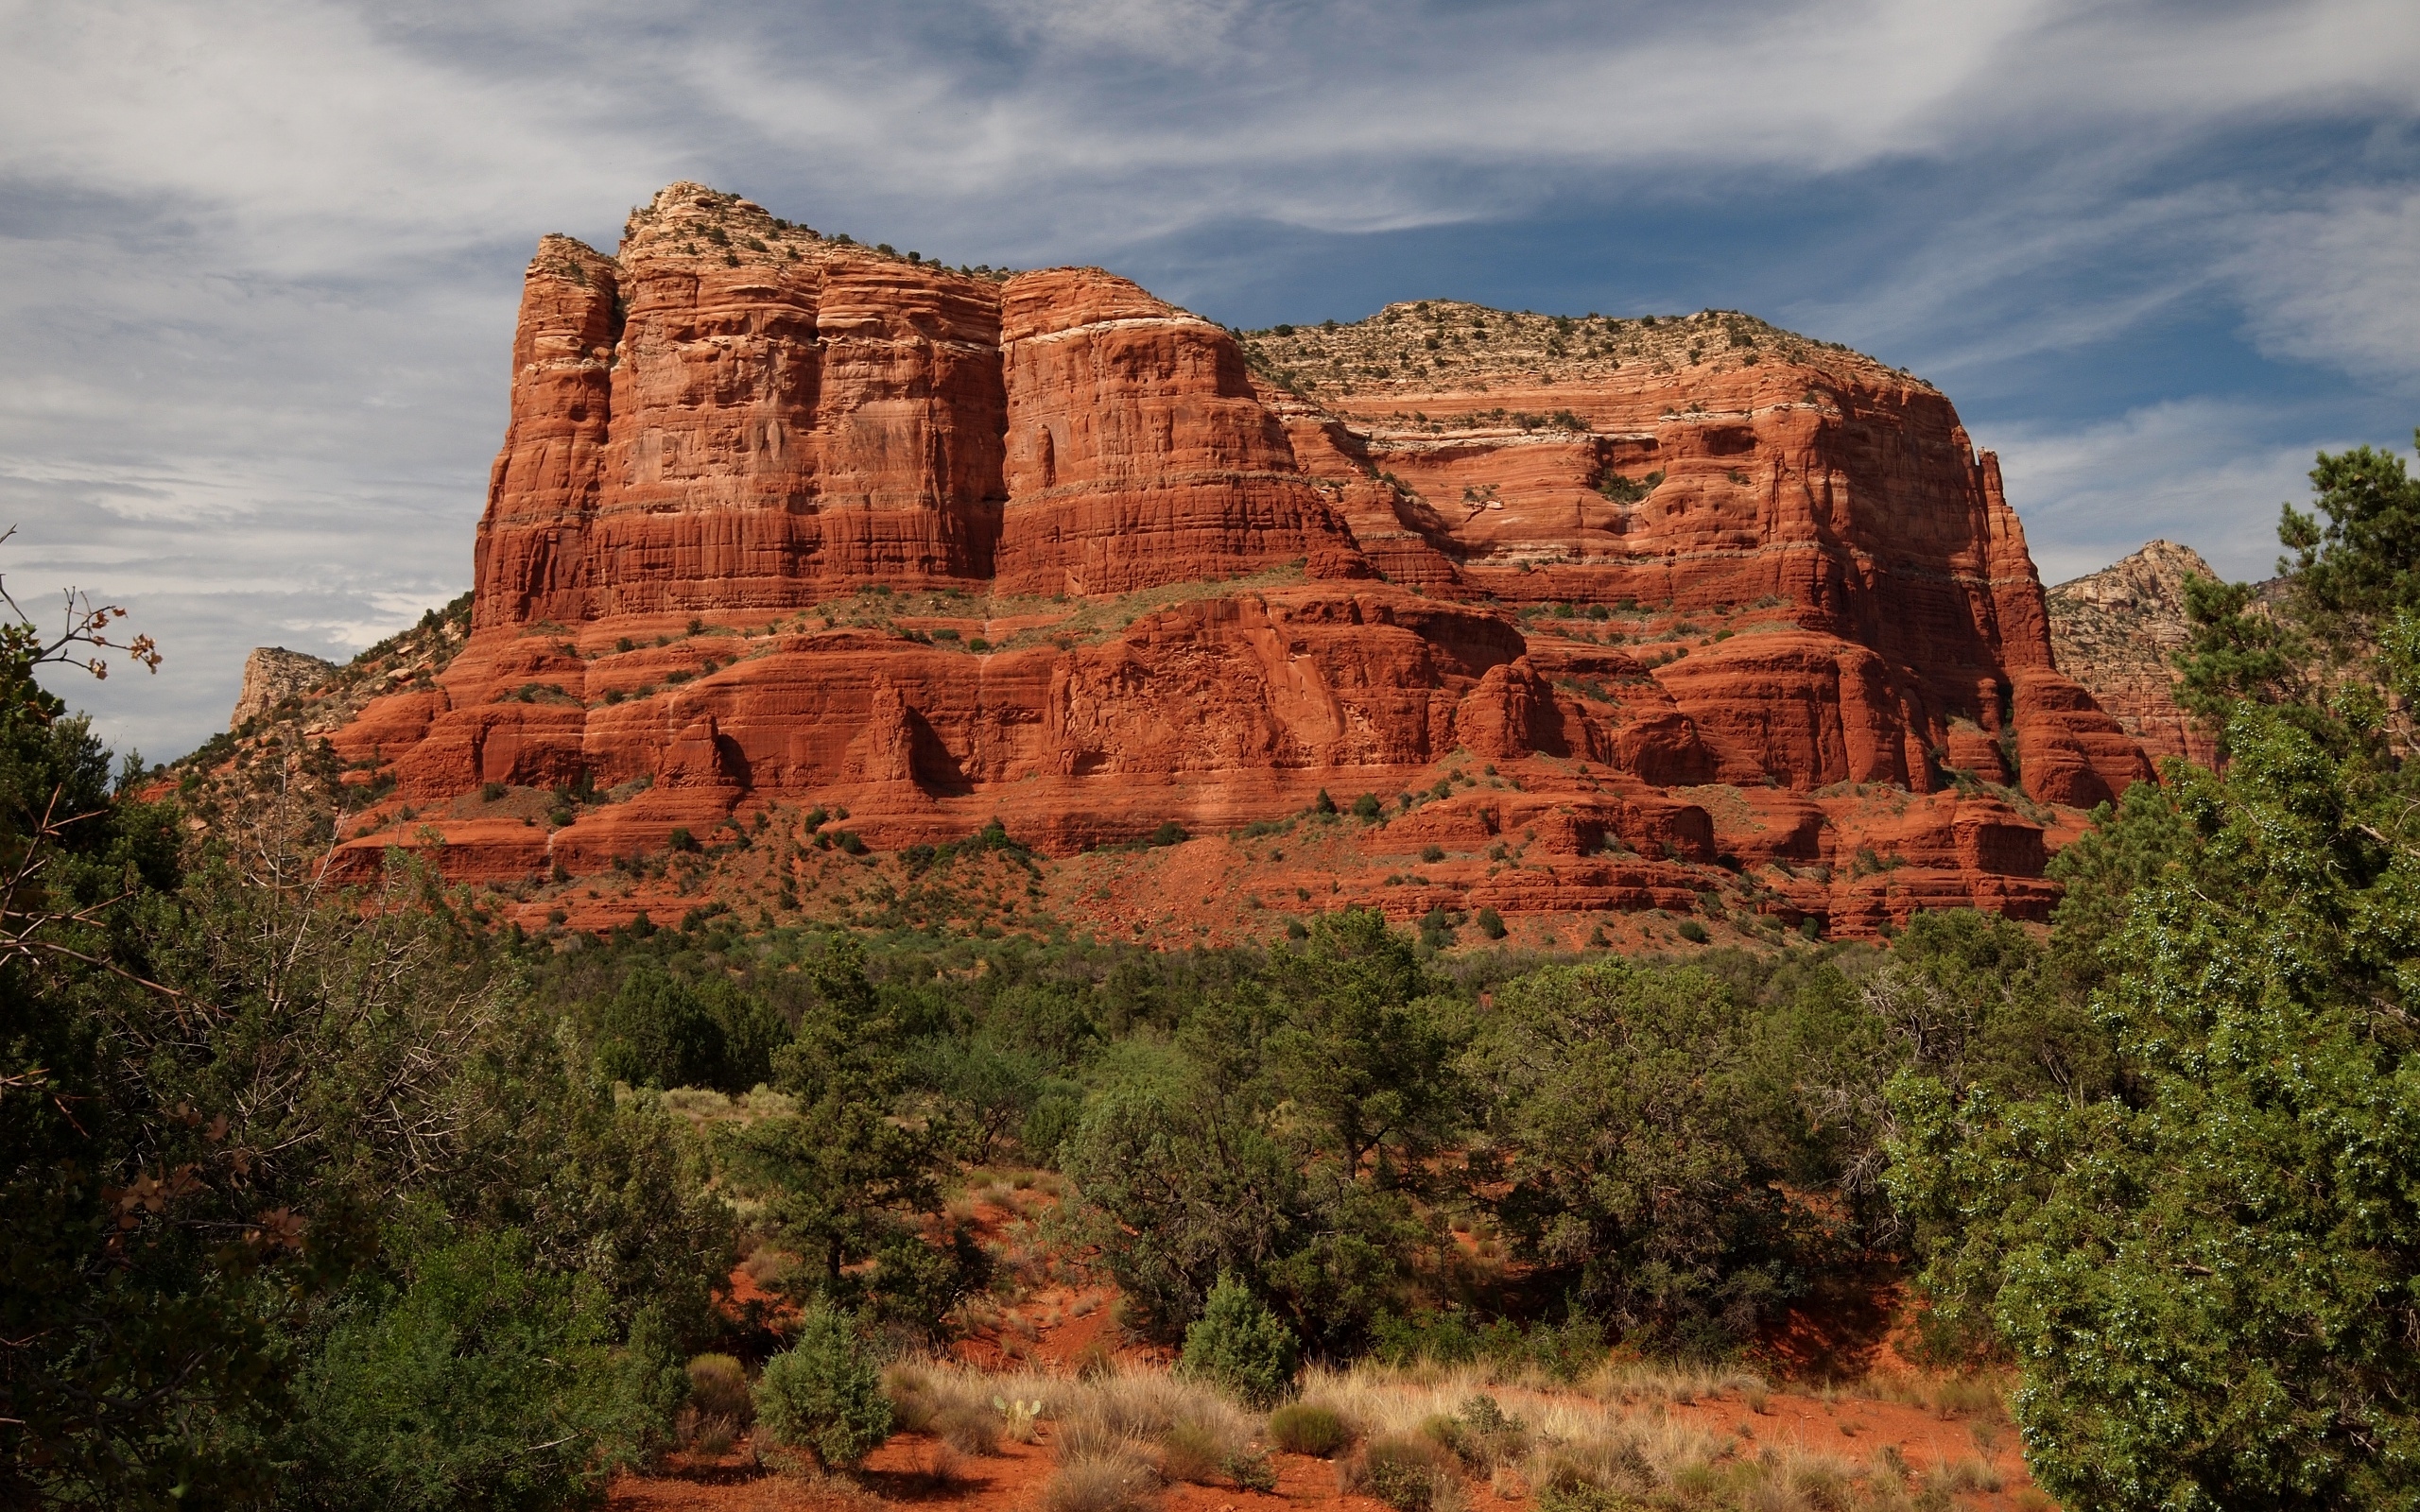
781 521
2117 630
272 674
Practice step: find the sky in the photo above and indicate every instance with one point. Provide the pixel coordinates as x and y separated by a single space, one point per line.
259 259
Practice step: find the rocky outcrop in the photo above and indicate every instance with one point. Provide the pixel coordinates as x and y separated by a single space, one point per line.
782 522
2117 631
272 674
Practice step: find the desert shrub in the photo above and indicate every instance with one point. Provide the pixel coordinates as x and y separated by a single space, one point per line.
1186 1190
989 1086
1483 1434
1692 930
1249 1469
821 1394
1304 1428
1408 1472
838 1175
1491 923
913 1284
1239 1345
718 1386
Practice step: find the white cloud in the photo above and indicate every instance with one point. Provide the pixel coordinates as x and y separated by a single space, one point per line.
2340 284
1165 31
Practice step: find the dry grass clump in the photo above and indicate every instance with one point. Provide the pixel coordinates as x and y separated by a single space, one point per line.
718 1388
1643 1469
1980 1397
1193 1453
765 1266
1116 1434
961 1407
1374 1399
1635 1380
968 1428
711 1435
1147 1403
1101 1483
1434 1434
916 1395
1216 1452
1117 1408
944 1467
1190 1432
1966 1475
1428 1438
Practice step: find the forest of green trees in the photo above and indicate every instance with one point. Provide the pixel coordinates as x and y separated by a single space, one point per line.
346 1201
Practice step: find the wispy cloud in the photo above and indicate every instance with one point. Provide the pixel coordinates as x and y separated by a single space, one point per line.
2339 282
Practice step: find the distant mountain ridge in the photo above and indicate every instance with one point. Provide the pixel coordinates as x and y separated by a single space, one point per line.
2117 631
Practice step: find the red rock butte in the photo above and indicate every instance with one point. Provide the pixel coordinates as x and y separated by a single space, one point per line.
780 520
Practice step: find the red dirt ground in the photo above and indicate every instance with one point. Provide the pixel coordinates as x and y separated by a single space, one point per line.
898 1475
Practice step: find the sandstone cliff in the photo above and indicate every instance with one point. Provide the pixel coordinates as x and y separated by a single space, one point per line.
272 674
1611 614
2117 631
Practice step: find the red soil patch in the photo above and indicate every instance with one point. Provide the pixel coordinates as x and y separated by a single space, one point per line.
750 1302
1859 1428
1063 1325
1860 1328
733 1482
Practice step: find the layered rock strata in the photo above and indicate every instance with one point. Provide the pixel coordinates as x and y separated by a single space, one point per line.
780 521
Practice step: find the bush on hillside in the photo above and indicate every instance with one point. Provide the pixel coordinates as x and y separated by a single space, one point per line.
822 1395
1240 1346
1672 1226
718 1388
481 1381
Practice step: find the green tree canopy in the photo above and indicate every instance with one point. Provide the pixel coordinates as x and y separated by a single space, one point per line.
2208 1269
